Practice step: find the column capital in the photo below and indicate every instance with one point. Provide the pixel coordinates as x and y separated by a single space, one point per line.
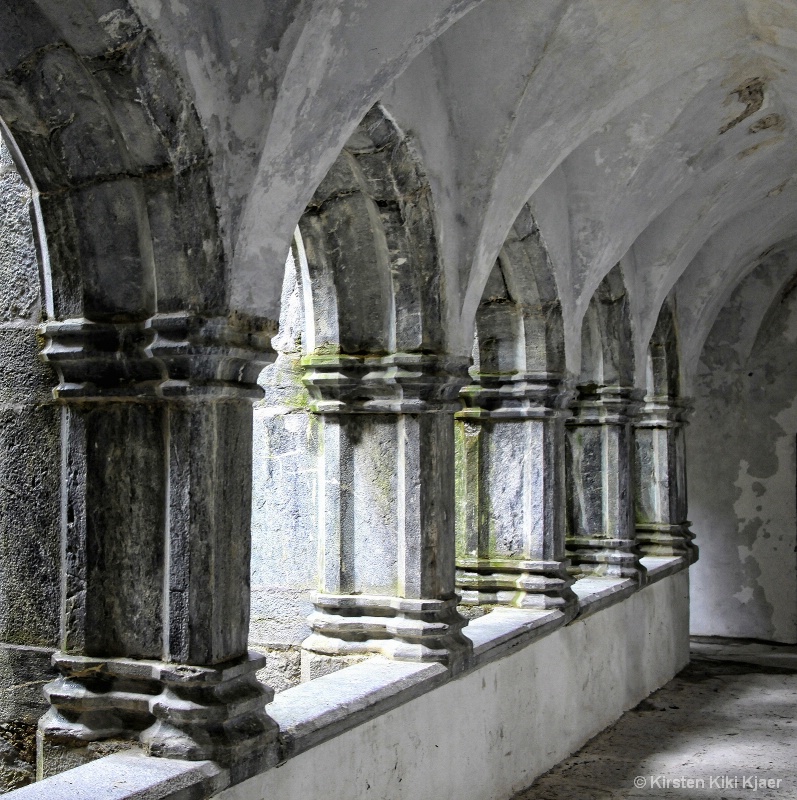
400 383
662 411
177 355
527 395
605 405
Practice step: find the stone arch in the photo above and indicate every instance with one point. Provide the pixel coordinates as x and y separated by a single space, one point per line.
156 372
607 355
362 280
371 252
117 154
519 320
510 436
663 368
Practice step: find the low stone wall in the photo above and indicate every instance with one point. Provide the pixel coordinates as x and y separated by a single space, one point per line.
490 732
535 690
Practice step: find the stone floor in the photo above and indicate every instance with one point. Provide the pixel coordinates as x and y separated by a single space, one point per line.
724 728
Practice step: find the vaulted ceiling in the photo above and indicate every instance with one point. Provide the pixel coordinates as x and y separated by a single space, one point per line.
657 135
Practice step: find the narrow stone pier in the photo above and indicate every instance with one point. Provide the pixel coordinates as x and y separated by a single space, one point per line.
725 727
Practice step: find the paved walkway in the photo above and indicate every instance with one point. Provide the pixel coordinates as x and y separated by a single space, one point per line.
724 728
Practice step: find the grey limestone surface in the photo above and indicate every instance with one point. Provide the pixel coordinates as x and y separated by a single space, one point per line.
131 776
30 443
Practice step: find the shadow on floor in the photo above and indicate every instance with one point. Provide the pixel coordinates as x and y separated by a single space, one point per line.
724 727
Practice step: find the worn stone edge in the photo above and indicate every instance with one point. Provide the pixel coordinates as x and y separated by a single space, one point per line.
662 567
130 776
313 712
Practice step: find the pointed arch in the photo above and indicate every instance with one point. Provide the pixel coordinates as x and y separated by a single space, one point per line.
519 320
663 368
607 355
369 240
117 156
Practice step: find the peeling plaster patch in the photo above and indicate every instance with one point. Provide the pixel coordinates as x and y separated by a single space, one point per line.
119 25
155 9
764 530
745 596
598 158
774 121
638 133
752 95
179 8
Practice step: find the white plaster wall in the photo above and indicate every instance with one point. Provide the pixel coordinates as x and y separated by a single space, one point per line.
489 733
742 472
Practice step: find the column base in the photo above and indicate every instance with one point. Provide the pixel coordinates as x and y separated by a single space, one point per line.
518 583
609 558
666 541
406 630
170 710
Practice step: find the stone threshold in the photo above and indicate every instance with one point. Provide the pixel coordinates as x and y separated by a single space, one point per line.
314 712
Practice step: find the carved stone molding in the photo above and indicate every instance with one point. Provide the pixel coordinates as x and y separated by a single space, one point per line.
520 396
516 582
605 405
172 710
401 383
156 541
98 360
394 414
662 529
168 355
405 629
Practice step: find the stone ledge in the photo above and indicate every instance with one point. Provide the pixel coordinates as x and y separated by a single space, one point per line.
660 567
595 594
506 629
320 709
130 776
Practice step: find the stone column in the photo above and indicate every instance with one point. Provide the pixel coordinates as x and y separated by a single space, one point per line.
156 490
662 528
386 509
511 493
600 502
